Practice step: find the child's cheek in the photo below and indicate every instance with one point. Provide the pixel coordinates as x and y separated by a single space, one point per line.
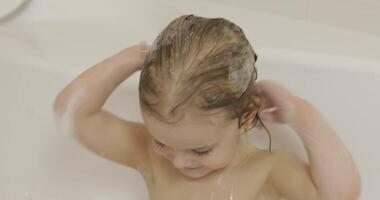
216 161
163 152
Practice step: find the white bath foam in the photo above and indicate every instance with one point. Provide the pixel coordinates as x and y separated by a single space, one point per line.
268 110
242 79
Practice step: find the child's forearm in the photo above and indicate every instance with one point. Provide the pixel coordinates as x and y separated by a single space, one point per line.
332 168
92 87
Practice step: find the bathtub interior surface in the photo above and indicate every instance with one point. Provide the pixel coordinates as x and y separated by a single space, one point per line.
336 70
37 162
9 6
40 163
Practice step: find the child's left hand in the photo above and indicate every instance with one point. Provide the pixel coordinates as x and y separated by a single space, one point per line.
278 104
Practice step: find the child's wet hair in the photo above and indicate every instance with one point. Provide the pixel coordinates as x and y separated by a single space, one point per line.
199 63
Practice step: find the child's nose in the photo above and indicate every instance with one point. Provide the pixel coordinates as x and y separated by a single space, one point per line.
182 161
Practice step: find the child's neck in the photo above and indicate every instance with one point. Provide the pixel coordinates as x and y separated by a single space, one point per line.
243 151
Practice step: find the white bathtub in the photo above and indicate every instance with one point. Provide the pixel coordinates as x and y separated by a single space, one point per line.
38 58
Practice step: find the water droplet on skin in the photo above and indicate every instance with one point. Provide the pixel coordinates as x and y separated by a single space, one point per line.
220 177
231 193
212 195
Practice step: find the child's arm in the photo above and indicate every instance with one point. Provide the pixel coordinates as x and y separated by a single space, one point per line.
331 173
96 84
80 103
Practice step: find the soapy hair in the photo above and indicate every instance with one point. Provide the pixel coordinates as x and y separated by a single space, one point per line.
199 63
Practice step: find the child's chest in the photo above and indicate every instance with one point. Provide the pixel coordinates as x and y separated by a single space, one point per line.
249 183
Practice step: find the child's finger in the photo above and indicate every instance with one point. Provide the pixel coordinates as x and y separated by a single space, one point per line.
277 98
273 91
144 46
265 103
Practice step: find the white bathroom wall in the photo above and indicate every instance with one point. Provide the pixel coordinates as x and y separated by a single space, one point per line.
263 22
357 15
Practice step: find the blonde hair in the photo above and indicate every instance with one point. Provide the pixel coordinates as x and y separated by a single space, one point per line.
203 62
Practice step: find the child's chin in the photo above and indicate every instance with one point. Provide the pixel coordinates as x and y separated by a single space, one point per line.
196 174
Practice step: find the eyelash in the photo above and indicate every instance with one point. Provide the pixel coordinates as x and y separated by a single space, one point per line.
160 145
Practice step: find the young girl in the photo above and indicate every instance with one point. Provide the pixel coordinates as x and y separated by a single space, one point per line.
198 95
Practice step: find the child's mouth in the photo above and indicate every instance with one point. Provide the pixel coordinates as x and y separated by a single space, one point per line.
190 168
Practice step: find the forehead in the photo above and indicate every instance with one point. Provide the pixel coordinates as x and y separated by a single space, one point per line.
194 131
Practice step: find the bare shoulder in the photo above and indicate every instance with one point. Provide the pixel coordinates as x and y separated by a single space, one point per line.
259 163
275 163
285 161
263 156
282 155
290 176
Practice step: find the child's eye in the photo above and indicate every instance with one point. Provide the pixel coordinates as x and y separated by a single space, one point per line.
159 144
201 153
